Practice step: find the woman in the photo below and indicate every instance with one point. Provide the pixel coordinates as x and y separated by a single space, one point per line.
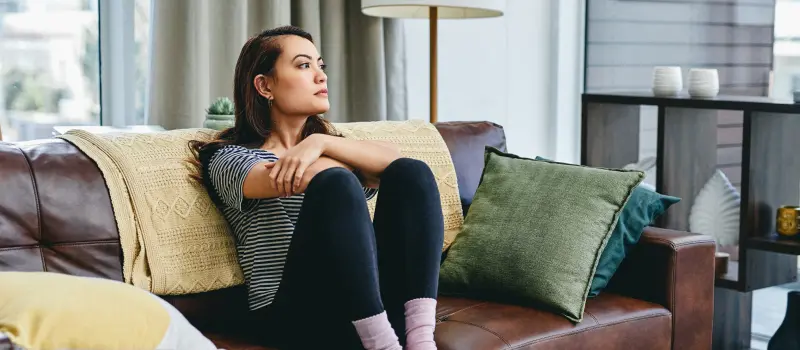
294 193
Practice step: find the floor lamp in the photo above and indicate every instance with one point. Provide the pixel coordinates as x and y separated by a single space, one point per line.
433 10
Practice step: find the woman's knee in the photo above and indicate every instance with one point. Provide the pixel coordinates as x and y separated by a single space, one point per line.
409 172
336 181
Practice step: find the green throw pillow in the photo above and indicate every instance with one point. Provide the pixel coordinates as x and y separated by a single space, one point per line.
535 232
642 209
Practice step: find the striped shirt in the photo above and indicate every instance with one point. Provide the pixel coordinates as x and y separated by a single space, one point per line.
262 227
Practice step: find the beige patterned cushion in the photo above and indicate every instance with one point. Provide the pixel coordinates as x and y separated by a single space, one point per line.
173 239
419 140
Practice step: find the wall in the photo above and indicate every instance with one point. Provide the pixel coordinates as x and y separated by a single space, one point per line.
522 71
627 38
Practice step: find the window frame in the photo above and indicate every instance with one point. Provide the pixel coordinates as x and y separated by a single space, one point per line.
117 62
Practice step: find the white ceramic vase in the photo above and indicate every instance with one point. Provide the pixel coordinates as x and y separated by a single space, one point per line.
219 121
667 81
703 83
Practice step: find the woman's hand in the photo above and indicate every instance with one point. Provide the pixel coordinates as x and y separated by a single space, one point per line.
317 167
289 169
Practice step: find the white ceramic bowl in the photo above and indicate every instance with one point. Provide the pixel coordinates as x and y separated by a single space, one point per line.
703 82
667 80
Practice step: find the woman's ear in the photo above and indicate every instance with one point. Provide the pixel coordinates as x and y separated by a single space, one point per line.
261 82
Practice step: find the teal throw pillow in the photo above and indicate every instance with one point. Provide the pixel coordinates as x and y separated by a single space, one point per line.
535 231
642 209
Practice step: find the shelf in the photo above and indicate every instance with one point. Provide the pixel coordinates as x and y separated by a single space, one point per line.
731 279
740 103
775 244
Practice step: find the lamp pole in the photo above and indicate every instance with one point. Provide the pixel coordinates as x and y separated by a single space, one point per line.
433 16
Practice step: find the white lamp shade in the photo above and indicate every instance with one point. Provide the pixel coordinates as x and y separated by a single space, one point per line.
446 8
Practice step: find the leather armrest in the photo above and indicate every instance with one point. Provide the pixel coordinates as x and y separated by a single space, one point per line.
676 270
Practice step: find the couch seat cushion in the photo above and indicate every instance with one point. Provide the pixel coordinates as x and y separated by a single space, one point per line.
611 322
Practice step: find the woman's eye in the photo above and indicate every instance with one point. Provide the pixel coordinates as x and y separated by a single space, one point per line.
305 65
323 66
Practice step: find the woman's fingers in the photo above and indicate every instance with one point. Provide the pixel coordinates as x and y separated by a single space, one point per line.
288 176
298 177
269 166
273 175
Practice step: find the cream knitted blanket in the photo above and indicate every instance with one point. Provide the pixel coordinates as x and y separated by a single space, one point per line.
418 140
174 240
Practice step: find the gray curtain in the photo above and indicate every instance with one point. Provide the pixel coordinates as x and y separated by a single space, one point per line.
195 44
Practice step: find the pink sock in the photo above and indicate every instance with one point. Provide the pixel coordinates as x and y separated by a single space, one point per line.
420 322
376 333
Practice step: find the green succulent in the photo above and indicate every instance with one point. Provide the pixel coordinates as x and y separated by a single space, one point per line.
222 106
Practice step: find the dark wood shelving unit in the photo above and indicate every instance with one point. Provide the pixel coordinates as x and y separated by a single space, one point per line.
687 156
731 279
775 244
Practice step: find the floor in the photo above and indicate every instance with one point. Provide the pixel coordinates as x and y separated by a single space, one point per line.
769 307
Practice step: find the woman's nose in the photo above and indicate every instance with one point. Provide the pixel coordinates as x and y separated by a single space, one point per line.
321 77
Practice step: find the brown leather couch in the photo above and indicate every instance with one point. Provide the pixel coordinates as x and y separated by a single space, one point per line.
55 215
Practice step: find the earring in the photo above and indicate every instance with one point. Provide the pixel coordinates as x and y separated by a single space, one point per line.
269 103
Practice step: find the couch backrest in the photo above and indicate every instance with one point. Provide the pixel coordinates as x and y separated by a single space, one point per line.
56 215
55 212
466 142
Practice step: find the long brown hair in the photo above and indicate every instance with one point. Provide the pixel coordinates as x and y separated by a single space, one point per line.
253 121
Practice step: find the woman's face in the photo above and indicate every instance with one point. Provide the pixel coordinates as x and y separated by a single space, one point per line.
299 86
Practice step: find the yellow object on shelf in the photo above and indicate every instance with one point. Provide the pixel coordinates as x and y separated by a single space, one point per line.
788 220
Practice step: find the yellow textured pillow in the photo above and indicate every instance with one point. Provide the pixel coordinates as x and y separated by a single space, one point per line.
42 310
422 141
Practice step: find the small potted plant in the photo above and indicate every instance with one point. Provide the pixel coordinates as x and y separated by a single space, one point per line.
220 114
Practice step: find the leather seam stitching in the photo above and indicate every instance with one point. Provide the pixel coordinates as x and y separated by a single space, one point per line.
67 244
444 317
674 246
592 316
558 336
485 329
38 204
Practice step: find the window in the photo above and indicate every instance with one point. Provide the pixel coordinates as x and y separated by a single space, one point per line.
50 64
786 49
141 39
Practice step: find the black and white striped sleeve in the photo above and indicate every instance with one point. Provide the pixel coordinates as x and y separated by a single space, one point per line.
370 192
227 170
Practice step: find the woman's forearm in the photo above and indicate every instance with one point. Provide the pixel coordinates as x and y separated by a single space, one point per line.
369 157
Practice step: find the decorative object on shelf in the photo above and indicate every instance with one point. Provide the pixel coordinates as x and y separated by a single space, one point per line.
433 10
648 166
703 83
721 264
220 114
715 211
667 81
796 96
788 334
787 221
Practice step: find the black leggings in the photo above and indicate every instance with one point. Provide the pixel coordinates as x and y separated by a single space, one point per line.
336 255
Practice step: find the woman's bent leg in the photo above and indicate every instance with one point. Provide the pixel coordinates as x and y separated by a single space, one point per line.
410 232
329 294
